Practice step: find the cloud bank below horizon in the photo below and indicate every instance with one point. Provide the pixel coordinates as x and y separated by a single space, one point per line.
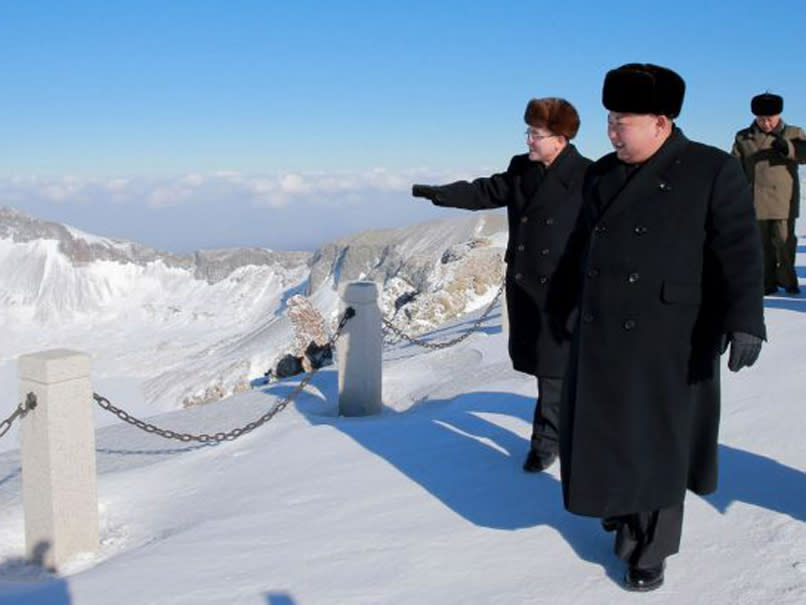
284 210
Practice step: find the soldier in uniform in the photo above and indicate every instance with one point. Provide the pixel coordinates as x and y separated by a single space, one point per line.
541 191
664 268
770 152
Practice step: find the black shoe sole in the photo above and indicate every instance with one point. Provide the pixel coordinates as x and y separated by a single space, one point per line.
642 586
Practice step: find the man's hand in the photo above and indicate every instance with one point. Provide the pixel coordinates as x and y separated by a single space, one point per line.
427 191
780 145
744 350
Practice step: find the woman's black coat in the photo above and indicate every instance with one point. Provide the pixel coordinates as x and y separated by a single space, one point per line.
659 268
542 206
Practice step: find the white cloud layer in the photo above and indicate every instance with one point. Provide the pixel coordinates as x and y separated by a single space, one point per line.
290 210
274 191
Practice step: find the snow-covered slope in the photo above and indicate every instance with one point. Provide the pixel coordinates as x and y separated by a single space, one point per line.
425 503
147 317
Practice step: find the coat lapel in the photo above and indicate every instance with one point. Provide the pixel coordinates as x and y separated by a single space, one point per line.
521 185
654 175
608 186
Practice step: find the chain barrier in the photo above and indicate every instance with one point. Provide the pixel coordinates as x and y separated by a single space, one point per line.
21 410
389 327
236 432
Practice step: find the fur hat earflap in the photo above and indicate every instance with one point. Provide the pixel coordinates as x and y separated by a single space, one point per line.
644 88
554 114
767 104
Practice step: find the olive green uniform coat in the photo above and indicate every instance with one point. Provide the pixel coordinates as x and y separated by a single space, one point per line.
774 177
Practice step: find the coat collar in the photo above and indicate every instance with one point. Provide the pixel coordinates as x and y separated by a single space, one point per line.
755 130
562 171
656 174
564 167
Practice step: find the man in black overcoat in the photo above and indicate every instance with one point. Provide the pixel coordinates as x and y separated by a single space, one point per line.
665 269
542 193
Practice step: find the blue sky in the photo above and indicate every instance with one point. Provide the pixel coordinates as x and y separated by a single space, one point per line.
202 124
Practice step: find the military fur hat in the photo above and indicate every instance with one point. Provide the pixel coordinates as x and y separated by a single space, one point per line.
644 88
767 104
554 114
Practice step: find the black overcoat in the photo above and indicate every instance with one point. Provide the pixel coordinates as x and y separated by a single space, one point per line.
660 268
542 206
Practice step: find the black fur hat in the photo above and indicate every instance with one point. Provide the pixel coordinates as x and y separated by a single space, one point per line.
643 88
767 104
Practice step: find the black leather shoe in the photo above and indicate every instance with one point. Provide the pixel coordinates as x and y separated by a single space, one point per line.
644 579
793 290
768 291
537 461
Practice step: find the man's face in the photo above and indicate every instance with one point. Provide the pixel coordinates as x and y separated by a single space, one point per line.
635 137
543 145
768 123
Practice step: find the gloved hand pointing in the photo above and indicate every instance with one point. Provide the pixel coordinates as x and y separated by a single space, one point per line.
744 350
427 191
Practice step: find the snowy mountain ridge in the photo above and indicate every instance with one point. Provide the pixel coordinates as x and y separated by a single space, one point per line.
209 323
79 247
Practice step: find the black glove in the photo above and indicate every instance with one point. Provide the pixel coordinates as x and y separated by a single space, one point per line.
744 350
780 145
427 191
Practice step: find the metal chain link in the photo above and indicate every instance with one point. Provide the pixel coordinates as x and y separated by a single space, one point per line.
236 432
21 410
390 327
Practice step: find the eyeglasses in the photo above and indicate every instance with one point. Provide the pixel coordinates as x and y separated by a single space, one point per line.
532 134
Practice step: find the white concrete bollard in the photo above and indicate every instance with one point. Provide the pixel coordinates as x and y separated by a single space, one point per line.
359 351
59 493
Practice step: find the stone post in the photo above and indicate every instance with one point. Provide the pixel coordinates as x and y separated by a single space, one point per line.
359 351
59 493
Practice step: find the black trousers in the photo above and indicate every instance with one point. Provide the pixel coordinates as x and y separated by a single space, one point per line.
646 539
546 421
779 263
791 248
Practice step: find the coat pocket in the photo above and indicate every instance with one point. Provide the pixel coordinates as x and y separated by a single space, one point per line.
681 293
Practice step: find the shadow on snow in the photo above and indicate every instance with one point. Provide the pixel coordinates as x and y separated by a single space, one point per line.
473 466
50 589
760 481
786 301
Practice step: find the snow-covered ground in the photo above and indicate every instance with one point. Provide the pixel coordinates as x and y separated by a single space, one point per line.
425 503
